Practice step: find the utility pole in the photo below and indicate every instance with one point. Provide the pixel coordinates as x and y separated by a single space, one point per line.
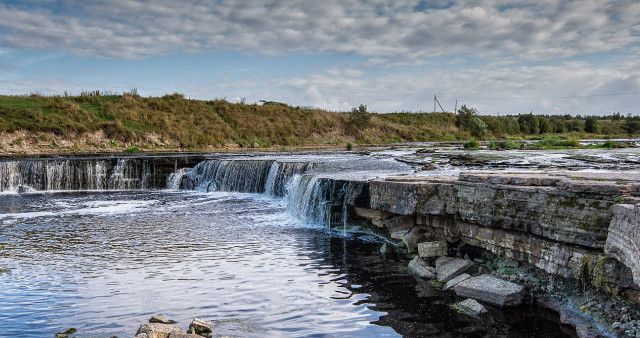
456 109
435 99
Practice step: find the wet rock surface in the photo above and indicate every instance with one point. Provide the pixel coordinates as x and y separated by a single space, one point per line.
471 306
490 289
157 330
451 268
432 249
161 320
419 267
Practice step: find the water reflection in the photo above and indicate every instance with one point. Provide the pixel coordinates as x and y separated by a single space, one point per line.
104 262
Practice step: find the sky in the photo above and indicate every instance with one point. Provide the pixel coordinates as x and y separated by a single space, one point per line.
501 57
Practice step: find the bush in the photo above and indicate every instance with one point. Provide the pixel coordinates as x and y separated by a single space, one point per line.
529 124
349 146
468 121
132 150
591 125
472 144
544 125
360 117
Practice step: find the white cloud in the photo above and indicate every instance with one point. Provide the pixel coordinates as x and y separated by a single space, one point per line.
530 30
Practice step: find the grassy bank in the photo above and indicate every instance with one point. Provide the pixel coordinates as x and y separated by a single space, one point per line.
93 122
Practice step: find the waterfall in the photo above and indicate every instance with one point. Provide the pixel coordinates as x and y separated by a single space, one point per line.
281 173
174 181
321 201
250 176
74 174
128 174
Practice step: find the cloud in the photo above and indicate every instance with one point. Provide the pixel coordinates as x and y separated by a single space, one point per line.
572 87
130 29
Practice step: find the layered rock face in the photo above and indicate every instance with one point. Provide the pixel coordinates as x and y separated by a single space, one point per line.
623 242
558 222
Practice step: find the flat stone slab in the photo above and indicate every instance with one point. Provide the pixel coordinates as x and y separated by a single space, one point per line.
450 284
471 306
451 268
432 249
419 267
491 290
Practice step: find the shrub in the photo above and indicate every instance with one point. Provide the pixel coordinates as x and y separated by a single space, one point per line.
132 150
591 125
360 117
529 124
468 121
471 144
349 146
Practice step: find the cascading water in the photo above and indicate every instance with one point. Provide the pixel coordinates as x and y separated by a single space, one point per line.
74 174
249 176
280 175
320 200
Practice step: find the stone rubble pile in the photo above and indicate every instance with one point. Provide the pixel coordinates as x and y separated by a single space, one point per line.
464 277
160 327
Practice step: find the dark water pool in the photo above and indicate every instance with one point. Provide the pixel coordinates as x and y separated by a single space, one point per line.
105 262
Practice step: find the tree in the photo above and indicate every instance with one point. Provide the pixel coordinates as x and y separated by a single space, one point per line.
529 124
544 125
468 121
558 126
591 125
360 117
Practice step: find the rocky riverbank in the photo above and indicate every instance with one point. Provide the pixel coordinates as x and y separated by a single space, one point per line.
565 239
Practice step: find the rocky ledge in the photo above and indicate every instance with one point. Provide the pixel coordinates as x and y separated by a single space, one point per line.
567 226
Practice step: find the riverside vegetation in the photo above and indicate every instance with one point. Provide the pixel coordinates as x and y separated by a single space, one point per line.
94 121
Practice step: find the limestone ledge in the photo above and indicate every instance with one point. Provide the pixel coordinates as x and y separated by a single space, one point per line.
554 221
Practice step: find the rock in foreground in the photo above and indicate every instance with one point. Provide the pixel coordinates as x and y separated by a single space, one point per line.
161 320
432 249
419 267
471 306
448 269
491 290
200 327
157 330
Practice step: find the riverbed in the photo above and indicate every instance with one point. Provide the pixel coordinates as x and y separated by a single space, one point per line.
257 258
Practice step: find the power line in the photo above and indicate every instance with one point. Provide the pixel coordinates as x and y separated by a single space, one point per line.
538 97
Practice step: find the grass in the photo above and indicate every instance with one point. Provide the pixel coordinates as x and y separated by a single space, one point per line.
471 145
137 122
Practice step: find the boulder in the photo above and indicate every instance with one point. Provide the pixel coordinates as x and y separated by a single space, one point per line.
471 307
161 320
441 260
453 282
490 289
419 267
142 335
199 326
157 330
415 235
432 249
451 268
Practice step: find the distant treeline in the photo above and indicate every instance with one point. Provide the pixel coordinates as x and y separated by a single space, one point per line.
529 124
175 121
